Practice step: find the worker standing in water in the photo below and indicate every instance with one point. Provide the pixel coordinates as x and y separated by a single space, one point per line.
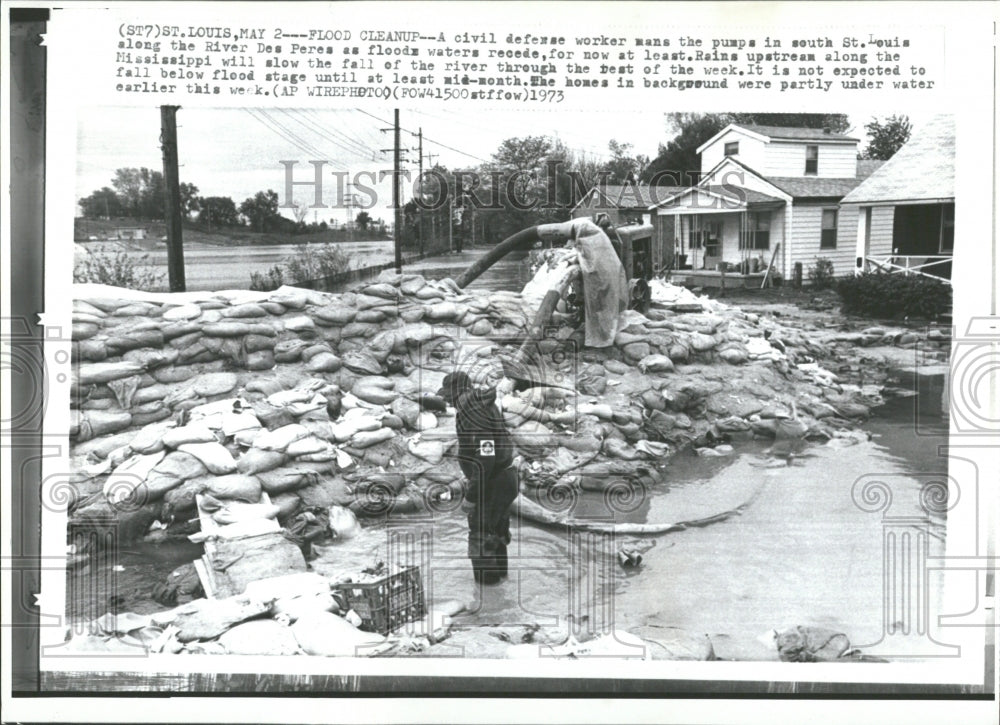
486 456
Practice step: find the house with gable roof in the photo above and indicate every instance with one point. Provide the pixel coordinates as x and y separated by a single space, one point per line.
768 195
905 211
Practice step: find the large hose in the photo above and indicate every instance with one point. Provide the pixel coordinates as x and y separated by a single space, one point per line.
524 239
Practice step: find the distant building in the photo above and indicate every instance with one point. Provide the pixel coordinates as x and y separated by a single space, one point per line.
130 233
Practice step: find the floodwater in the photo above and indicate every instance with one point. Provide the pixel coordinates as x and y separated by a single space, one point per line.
208 268
798 548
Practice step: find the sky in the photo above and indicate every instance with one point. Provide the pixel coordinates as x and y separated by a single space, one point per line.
236 152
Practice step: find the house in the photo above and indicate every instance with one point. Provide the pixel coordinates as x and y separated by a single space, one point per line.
768 195
130 233
905 211
633 203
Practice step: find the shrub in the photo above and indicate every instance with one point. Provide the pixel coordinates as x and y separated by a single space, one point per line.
877 294
315 261
270 280
821 273
119 269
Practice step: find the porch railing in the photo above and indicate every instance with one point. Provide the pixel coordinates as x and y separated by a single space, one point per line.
935 266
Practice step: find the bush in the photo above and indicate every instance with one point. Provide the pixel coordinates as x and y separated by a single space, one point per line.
877 294
119 270
314 261
268 281
821 273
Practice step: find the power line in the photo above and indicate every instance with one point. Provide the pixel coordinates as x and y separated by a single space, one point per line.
437 143
334 136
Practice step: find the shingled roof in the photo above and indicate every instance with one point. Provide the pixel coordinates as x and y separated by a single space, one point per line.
635 196
815 187
922 170
795 133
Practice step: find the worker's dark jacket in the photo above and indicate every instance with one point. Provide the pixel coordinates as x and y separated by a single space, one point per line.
485 452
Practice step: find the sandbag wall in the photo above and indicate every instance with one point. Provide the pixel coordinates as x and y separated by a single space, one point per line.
321 398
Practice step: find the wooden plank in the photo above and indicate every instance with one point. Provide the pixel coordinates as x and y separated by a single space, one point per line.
770 264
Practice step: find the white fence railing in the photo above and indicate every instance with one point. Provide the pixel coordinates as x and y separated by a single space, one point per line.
926 265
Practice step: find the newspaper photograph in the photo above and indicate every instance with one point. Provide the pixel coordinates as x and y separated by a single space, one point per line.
555 351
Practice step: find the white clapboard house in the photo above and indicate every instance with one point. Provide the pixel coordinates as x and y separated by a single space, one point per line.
905 211
769 196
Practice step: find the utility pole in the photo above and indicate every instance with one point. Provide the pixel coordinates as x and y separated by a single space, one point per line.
420 186
398 231
175 242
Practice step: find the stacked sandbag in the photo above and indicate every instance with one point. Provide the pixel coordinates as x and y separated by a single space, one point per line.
313 398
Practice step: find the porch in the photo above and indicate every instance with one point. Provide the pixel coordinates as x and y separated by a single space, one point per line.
724 232
935 266
716 279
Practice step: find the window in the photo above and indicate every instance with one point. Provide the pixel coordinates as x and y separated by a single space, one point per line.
947 228
812 160
757 234
828 235
732 148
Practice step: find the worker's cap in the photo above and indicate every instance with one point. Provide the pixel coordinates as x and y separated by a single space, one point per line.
453 385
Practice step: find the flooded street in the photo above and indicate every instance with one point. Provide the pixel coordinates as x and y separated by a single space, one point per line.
801 551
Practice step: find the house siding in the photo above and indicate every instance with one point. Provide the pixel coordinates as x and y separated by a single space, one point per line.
806 234
751 153
789 159
880 241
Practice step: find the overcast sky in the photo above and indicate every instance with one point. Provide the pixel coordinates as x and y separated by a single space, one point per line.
236 152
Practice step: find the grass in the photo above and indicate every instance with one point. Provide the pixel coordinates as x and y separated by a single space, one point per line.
104 228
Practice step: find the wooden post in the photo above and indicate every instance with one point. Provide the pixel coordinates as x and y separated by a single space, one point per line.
770 264
797 276
172 207
395 195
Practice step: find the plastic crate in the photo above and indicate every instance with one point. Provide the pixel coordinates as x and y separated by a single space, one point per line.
387 603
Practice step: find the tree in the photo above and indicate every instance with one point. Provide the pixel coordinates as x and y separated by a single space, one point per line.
128 186
836 122
678 163
219 211
153 196
101 203
261 209
189 199
886 136
363 219
623 165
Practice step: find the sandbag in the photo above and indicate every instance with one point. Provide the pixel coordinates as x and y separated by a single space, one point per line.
260 637
234 512
656 364
281 480
280 438
179 464
191 433
364 439
205 619
360 361
326 634
98 373
216 458
150 438
234 487
257 460
325 493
